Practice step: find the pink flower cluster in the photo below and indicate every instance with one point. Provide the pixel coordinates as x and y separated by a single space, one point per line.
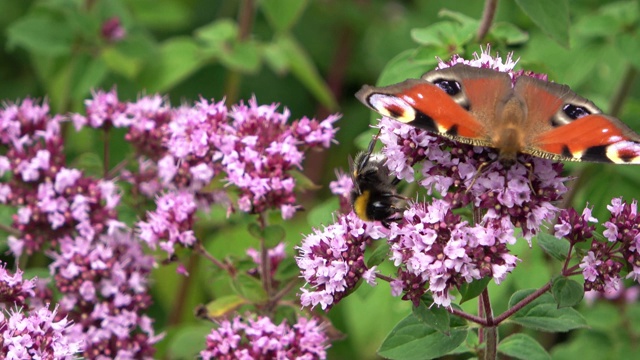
37 335
261 339
433 249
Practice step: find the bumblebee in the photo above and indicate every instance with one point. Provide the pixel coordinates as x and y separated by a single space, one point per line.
374 196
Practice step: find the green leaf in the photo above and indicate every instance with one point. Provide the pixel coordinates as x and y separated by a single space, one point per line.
217 32
552 16
380 254
629 46
40 34
303 182
554 247
188 341
255 230
276 58
243 56
434 316
249 288
522 346
120 63
304 69
223 305
509 33
567 292
283 14
472 290
543 314
411 339
445 34
177 59
87 75
273 235
404 66
287 269
323 213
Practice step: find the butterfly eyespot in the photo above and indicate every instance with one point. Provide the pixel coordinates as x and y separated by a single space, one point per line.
451 87
575 112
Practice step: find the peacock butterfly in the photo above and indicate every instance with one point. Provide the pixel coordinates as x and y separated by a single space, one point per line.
485 107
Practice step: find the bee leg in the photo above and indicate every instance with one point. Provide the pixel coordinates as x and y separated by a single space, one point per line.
481 169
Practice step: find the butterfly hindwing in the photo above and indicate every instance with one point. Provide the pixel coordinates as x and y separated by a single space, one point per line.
566 126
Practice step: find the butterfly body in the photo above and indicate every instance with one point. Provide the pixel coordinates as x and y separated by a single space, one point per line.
485 107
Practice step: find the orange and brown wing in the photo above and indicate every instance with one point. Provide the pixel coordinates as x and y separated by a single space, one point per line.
564 126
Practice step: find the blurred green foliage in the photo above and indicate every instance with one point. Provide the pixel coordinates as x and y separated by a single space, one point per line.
312 56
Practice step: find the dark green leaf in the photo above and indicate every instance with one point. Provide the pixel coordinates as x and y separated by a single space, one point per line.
121 64
471 291
380 254
543 314
178 58
249 288
552 16
567 292
522 346
243 56
411 339
283 14
323 213
287 269
40 34
187 342
255 230
305 70
445 34
404 66
509 33
273 235
303 182
87 75
433 316
629 46
554 247
276 58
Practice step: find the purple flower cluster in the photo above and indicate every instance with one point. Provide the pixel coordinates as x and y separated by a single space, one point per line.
261 339
260 149
171 223
14 289
332 260
521 196
37 335
104 286
252 147
433 248
604 262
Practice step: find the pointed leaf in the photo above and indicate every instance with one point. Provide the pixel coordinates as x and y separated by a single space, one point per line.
554 247
40 34
223 305
411 339
522 346
249 288
433 316
283 14
567 292
379 255
552 16
543 314
471 291
305 70
273 235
